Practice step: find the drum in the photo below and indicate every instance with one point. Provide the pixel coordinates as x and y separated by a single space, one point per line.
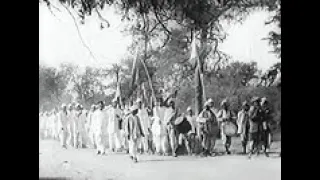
230 129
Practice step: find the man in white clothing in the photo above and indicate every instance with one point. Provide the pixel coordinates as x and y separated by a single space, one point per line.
192 135
55 125
123 136
144 118
99 125
114 114
63 124
50 125
79 127
169 118
158 128
89 126
71 116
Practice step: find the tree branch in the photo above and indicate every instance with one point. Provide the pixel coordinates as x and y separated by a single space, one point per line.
161 23
49 5
78 30
102 18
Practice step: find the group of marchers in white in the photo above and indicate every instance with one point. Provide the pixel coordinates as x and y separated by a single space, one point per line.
163 130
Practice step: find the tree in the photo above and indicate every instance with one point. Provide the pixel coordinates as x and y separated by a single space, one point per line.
51 86
201 17
274 36
272 75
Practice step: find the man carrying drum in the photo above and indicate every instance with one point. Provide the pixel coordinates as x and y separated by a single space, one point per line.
207 129
183 127
227 127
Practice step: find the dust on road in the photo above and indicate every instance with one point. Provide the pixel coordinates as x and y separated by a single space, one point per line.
55 162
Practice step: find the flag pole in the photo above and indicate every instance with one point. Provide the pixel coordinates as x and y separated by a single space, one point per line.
149 79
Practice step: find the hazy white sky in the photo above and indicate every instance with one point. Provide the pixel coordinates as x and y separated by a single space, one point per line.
59 41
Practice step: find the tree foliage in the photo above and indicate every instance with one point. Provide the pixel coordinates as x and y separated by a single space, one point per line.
174 22
274 36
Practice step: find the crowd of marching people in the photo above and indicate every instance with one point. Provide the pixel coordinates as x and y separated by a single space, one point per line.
136 129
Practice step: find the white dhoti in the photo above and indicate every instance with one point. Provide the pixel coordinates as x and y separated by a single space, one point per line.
62 128
114 140
113 129
145 123
99 128
159 137
133 147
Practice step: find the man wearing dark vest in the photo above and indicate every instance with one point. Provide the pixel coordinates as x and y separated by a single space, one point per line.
134 132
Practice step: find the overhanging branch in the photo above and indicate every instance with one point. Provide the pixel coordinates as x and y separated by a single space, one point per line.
102 18
78 30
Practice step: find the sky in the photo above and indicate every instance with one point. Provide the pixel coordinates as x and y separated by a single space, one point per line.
59 41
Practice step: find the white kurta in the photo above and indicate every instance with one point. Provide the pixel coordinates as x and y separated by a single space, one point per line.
63 127
158 129
80 127
113 128
98 127
45 126
89 129
145 120
50 126
41 126
145 125
71 128
56 126
168 114
113 120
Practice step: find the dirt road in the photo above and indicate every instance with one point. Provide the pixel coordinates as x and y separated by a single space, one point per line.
55 162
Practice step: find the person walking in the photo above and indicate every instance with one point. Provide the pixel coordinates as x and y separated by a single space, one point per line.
255 121
71 118
114 114
266 136
63 125
134 132
79 127
243 125
183 127
144 118
192 134
90 127
224 117
208 129
170 128
99 126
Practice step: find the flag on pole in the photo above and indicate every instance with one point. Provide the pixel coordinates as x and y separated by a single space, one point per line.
194 57
135 71
199 83
149 79
118 93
